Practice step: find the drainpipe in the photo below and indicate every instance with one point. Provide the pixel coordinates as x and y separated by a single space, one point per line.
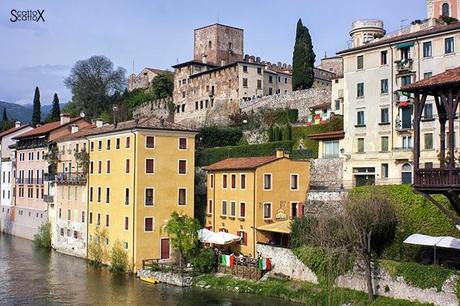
214 202
254 216
134 196
87 198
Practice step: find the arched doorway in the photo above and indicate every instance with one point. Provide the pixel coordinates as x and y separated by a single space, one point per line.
406 174
445 10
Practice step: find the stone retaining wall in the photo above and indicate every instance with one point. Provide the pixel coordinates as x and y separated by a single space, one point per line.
168 277
326 173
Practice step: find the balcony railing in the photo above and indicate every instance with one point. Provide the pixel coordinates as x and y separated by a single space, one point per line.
404 65
438 178
30 181
71 178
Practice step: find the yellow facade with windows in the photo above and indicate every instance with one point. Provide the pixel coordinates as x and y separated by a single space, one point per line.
134 186
245 195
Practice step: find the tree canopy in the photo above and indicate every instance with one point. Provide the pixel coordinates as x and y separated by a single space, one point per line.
55 112
303 61
92 82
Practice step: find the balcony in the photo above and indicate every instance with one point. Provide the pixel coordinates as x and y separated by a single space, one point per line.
403 126
48 199
404 65
50 177
437 178
402 153
30 181
65 178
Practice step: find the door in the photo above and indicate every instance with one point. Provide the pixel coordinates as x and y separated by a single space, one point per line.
164 248
406 117
364 180
406 174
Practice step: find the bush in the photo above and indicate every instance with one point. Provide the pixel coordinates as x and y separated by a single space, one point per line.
118 258
204 261
213 136
43 238
209 156
97 250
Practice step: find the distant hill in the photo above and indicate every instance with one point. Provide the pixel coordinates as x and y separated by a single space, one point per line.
23 113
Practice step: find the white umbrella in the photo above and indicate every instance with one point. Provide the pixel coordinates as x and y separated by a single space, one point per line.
222 238
204 234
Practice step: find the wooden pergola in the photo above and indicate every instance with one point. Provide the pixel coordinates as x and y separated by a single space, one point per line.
445 179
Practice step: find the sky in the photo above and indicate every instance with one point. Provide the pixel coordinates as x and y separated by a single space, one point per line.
158 34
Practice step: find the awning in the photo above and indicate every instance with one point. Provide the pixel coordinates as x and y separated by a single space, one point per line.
221 238
405 45
283 227
440 242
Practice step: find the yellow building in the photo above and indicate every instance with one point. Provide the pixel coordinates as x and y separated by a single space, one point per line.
255 198
140 171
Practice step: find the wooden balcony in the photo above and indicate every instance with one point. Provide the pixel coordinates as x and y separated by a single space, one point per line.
437 180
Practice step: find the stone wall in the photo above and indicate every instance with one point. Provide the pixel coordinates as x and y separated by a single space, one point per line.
158 108
170 278
286 263
301 100
256 136
326 173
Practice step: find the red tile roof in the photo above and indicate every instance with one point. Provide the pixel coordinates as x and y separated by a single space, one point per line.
241 163
81 133
47 128
327 135
449 77
12 130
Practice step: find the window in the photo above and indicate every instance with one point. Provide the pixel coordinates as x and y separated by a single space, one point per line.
183 143
406 80
117 143
427 75
384 86
148 224
243 181
383 58
267 210
99 194
182 167
126 223
91 194
98 219
337 105
245 68
210 207
259 84
294 182
99 145
407 142
242 210
427 49
224 181
126 196
211 181
99 167
428 141
360 145
360 90
149 196
267 181
384 170
428 111
149 142
91 167
149 165
182 197
59 213
232 209
449 45
127 166
360 118
233 181
384 143
244 237
107 195
107 144
360 62
270 91
259 70
270 79
90 218
128 142
245 82
331 149
445 9
91 146
384 116
108 167
224 208
107 221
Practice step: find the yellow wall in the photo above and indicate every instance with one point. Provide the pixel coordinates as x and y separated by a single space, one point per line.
280 196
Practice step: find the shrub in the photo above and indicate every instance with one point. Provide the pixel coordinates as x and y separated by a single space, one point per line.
118 258
292 115
213 136
97 250
43 238
204 261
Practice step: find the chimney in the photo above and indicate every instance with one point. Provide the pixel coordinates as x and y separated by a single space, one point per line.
99 123
204 59
280 153
222 62
74 128
65 118
17 124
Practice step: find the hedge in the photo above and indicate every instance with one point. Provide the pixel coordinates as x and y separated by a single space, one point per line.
212 155
213 136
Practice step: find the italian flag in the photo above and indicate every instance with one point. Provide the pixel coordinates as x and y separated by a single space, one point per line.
265 264
227 260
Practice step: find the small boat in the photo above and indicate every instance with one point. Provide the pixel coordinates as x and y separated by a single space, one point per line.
151 280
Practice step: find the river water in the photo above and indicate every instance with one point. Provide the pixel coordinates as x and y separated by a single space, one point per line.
30 276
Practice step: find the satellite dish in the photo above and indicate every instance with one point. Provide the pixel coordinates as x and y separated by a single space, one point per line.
82 114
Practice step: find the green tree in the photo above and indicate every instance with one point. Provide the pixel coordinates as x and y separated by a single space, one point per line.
92 82
5 116
303 60
118 258
97 249
55 113
183 232
162 86
36 115
43 238
71 108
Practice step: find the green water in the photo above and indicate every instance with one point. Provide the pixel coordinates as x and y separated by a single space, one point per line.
35 277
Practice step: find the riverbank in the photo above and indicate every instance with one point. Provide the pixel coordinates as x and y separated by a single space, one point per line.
298 292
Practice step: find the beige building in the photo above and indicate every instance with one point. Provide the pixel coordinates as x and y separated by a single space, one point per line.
378 122
144 78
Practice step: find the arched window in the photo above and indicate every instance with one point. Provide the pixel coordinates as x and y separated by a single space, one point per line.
445 9
406 174
210 45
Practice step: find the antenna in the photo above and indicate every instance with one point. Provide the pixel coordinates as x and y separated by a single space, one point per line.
401 26
217 18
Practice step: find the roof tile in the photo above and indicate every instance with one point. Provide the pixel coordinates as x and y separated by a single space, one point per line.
241 163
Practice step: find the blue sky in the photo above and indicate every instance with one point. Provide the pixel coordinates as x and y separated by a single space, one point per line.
160 33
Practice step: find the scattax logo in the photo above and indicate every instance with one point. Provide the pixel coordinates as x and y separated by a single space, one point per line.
27 15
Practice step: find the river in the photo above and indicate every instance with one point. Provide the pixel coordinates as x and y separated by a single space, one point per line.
30 276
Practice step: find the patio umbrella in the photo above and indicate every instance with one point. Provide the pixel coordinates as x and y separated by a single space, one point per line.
204 234
222 238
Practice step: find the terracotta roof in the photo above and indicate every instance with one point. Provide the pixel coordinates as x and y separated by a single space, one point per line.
151 122
434 30
450 76
12 130
241 163
81 133
47 128
328 135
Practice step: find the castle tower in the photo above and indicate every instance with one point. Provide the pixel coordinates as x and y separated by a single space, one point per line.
436 8
365 31
218 44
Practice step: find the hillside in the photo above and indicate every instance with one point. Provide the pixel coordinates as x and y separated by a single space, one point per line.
23 113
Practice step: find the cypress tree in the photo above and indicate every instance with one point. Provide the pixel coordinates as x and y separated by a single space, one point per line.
55 113
36 115
303 60
5 116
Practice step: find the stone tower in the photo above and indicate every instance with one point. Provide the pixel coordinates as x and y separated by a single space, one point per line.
436 8
218 44
366 30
